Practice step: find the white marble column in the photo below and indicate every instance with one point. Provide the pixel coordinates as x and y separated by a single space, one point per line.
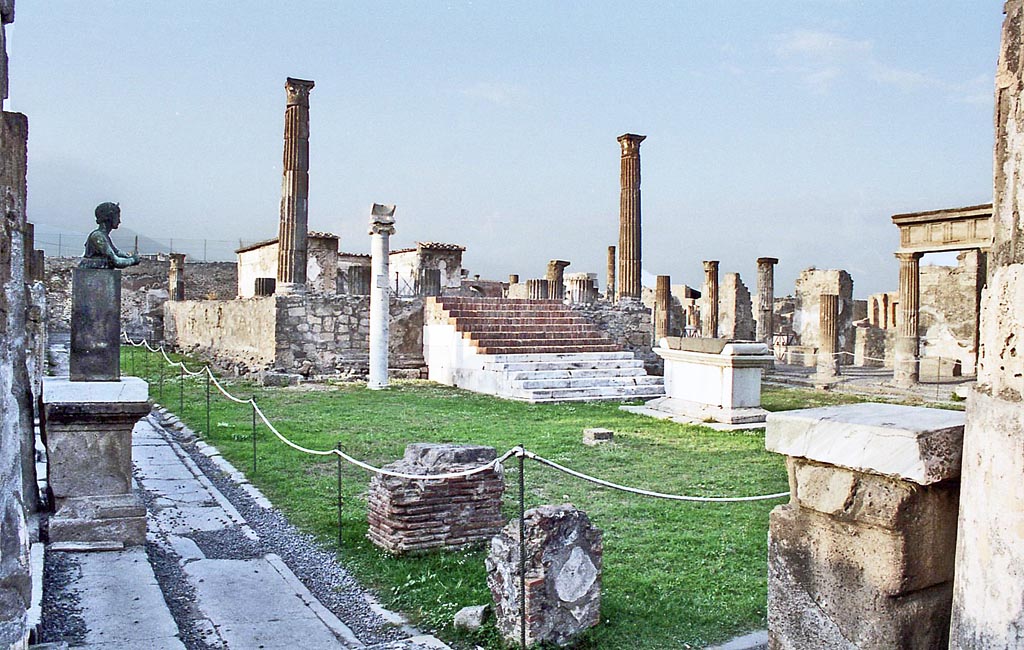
382 226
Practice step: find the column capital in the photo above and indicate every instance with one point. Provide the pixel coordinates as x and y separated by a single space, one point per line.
767 261
907 256
630 143
382 219
710 266
297 91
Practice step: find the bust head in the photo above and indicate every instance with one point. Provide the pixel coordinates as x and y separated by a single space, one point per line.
108 214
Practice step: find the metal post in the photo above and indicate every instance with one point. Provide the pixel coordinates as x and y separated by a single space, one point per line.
207 401
522 548
60 245
131 356
253 435
181 388
161 382
339 494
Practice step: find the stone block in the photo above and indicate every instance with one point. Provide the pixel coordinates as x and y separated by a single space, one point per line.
833 585
115 519
913 443
597 436
96 325
564 553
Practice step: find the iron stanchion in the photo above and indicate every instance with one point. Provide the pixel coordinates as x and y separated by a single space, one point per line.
161 382
207 401
131 356
522 548
253 402
339 495
181 388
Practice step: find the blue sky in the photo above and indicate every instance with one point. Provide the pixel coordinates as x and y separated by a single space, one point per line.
791 129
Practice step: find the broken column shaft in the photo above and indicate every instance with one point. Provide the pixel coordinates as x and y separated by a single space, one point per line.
291 252
765 298
629 217
905 371
709 317
610 287
176 277
662 307
556 279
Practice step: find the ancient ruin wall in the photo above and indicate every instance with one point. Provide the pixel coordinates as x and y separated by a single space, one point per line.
628 323
735 312
143 291
809 287
949 312
232 332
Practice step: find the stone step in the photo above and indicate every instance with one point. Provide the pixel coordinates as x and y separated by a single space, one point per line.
548 349
611 366
529 328
461 300
573 357
473 314
596 382
561 372
590 394
534 339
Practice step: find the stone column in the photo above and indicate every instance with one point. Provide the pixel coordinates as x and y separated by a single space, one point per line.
828 335
513 278
609 292
987 597
765 298
556 279
709 317
382 226
581 288
629 217
905 368
291 239
537 289
176 277
662 307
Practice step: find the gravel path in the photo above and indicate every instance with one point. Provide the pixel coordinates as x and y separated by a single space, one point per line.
61 618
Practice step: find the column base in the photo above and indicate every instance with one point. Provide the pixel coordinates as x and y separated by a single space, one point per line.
102 521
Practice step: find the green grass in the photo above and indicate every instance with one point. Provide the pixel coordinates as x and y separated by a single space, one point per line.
675 575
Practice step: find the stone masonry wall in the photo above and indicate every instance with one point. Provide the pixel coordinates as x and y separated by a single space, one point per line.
735 312
234 333
630 324
948 313
143 291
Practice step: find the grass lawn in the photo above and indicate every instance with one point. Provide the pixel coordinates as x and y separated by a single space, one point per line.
676 575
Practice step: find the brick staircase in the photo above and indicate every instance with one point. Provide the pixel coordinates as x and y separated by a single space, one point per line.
531 350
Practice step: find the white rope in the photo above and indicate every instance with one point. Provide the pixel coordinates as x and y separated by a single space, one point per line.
659 495
223 391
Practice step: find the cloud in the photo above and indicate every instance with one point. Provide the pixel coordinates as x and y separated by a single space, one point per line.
497 93
821 58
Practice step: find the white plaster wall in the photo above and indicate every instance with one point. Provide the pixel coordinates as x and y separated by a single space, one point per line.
256 263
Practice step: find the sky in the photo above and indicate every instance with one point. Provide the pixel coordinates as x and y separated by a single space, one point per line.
791 129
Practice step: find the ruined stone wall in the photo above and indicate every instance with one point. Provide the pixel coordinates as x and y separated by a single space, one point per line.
143 291
630 324
321 263
311 334
735 311
809 287
234 333
15 384
948 312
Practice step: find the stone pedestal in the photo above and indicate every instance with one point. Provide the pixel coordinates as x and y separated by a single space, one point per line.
712 378
89 444
410 516
563 576
95 325
862 555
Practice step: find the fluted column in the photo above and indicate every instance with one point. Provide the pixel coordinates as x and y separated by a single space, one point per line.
662 307
556 279
629 217
609 292
537 289
765 298
828 336
382 226
905 368
709 316
291 239
176 277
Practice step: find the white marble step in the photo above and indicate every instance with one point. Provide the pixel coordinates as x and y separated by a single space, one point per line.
541 366
574 357
589 394
573 373
595 382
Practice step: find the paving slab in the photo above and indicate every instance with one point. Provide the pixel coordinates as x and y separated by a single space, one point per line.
122 603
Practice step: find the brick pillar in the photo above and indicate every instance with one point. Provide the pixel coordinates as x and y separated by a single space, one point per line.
828 335
176 277
709 317
905 368
610 286
987 602
662 307
765 298
556 279
291 251
629 217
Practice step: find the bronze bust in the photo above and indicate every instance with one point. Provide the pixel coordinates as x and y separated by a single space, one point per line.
100 252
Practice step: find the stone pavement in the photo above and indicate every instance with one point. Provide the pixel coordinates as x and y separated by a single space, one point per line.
206 580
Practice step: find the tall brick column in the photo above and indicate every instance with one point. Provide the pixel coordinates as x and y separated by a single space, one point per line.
629 217
176 277
556 279
610 287
988 606
905 369
662 307
765 298
709 317
291 252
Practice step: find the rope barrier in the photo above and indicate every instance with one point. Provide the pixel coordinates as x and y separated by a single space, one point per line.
518 452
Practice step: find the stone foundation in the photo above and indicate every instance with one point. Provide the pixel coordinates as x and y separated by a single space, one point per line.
862 555
563 575
408 516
